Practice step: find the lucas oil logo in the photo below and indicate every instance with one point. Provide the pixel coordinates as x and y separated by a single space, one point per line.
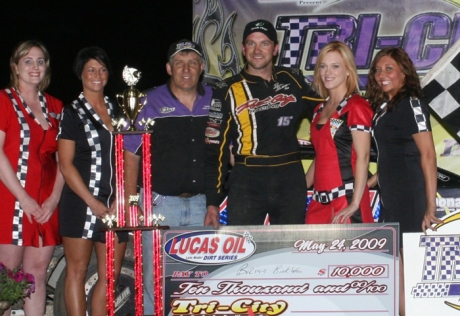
210 247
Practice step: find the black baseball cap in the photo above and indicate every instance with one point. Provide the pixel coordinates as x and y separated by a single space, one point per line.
262 26
184 44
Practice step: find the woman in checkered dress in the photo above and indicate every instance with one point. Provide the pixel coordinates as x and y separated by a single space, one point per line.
86 152
31 184
340 134
406 175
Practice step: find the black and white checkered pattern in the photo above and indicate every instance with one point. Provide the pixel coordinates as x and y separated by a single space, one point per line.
43 107
326 197
441 87
24 141
361 128
339 107
420 118
96 159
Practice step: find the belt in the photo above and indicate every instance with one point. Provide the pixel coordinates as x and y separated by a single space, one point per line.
325 197
158 198
187 195
265 160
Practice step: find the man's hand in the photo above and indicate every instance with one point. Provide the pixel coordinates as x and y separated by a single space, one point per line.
212 217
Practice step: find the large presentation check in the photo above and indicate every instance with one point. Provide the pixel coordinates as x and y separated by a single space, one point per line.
282 270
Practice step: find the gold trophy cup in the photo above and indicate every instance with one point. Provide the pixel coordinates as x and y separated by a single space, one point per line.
130 99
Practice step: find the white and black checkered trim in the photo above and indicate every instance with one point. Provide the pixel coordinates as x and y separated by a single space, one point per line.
21 170
361 128
325 197
96 159
419 117
339 107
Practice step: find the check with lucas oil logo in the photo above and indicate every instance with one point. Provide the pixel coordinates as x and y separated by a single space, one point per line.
281 270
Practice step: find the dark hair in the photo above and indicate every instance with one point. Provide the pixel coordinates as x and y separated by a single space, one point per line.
87 53
411 85
21 50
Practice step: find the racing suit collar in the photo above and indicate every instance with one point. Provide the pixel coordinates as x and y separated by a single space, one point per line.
250 77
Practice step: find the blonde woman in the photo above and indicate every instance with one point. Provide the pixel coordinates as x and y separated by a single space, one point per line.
340 133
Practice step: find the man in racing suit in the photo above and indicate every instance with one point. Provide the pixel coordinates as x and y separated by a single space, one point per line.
257 114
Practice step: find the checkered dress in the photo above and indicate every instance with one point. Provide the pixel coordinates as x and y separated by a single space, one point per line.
31 152
400 177
336 160
92 125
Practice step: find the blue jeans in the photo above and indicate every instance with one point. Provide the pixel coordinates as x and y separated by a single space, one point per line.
177 212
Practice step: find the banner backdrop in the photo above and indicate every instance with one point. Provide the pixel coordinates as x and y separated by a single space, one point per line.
425 29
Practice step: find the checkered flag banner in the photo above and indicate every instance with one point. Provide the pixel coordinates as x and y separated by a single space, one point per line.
441 87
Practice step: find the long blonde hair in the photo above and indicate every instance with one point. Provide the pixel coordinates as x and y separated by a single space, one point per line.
350 65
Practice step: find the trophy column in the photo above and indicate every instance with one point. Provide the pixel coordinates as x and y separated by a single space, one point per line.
150 221
131 105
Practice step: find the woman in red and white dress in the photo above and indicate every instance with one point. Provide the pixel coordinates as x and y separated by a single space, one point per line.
340 133
30 182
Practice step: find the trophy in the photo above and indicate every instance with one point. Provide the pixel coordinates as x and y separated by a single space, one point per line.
130 102
130 99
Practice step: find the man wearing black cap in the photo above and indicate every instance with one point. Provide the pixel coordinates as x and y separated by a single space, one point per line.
179 109
258 113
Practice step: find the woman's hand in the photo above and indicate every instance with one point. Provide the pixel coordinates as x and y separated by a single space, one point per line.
9 179
48 208
113 208
99 209
430 218
344 215
30 207
372 181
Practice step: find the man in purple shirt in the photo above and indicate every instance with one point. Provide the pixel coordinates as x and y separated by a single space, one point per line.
179 109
